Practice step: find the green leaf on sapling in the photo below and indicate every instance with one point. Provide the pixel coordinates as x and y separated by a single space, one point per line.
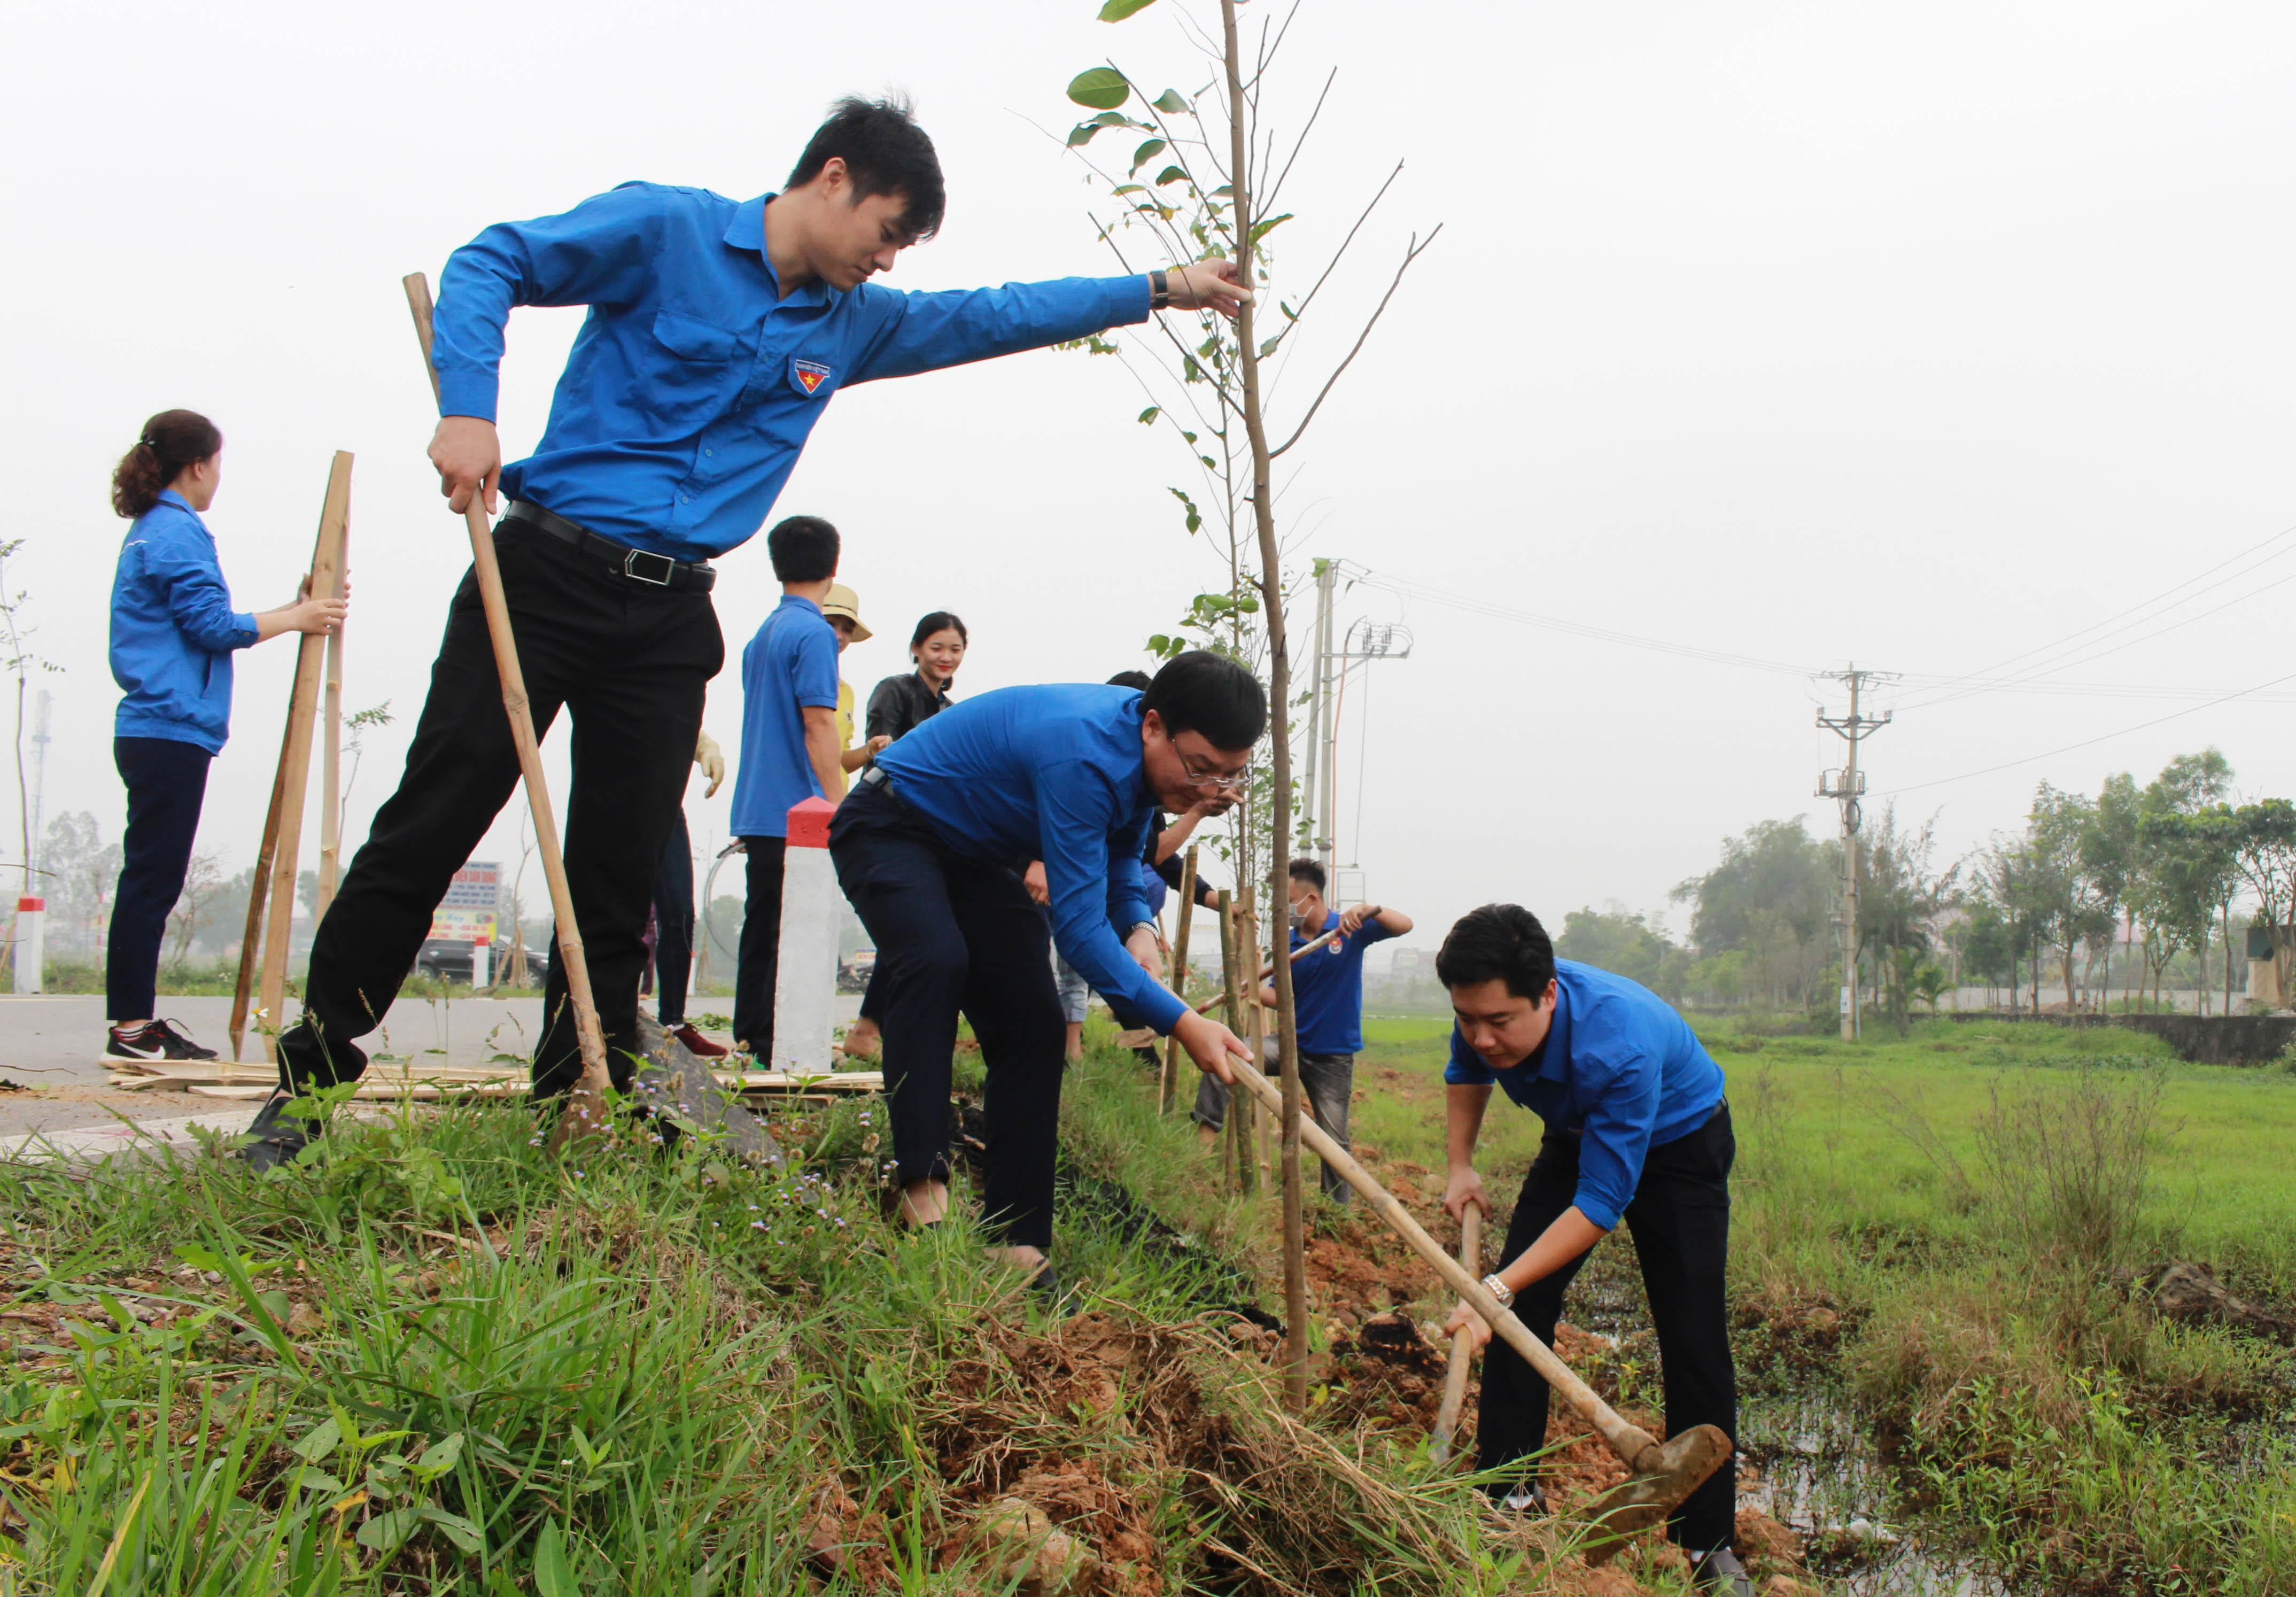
1116 11
1267 345
1195 517
1261 230
1151 414
1171 103
1170 175
1102 89
1149 150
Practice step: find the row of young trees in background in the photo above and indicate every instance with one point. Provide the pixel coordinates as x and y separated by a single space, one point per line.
2114 898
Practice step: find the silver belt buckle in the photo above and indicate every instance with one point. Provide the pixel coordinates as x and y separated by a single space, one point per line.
630 567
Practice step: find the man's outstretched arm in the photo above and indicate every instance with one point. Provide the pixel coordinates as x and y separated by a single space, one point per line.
925 331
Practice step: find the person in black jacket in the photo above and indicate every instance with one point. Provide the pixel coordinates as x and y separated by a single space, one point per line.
899 706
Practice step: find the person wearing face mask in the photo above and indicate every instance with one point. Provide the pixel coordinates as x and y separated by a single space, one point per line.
717 333
173 634
1637 1129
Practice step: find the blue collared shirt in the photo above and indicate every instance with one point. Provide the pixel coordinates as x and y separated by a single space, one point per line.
1327 989
693 382
1618 1066
1049 774
789 667
173 630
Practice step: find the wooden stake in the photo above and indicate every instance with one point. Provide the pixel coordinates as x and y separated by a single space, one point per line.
1167 1084
331 769
1256 1014
250 942
586 1108
1463 1341
295 759
1236 1168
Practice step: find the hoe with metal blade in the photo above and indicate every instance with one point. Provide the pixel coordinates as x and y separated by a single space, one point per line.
1665 1472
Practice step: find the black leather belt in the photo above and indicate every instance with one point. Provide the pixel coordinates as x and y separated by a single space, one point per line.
616 560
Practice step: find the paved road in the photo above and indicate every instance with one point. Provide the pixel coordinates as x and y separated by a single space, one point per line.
50 1048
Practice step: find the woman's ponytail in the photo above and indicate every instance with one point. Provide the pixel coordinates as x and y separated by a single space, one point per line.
171 440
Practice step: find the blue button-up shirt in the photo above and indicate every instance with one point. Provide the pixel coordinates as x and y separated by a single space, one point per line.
173 630
693 382
1619 1067
1049 774
789 666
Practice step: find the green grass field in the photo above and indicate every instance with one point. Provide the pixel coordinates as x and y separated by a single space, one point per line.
1963 1206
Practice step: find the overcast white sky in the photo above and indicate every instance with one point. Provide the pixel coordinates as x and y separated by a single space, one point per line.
1922 335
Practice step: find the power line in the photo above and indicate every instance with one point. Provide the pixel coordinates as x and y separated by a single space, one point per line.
2086 743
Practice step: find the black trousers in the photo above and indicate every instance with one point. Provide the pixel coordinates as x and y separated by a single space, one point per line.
673 925
629 662
1680 1218
958 936
757 962
167 782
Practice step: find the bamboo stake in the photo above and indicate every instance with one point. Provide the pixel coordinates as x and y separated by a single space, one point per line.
250 942
1463 1341
330 767
1235 1169
586 1108
1256 1013
295 759
1167 1082
1298 953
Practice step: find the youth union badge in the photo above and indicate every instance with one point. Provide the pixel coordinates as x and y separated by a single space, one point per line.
810 374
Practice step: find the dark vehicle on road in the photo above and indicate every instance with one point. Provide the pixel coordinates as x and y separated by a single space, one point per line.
450 962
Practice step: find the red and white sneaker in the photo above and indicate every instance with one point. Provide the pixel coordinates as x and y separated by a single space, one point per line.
155 1039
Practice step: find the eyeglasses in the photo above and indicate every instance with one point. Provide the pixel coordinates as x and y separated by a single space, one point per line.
1213 780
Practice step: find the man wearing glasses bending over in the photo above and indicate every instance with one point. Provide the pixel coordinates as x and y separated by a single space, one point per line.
930 846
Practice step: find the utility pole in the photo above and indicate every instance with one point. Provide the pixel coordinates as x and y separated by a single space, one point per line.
1847 786
1316 810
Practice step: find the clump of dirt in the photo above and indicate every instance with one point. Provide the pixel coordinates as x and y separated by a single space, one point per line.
1102 1422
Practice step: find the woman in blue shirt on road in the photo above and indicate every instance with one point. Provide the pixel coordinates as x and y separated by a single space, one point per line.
173 632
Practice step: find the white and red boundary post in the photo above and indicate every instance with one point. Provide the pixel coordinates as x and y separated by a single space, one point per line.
31 943
805 980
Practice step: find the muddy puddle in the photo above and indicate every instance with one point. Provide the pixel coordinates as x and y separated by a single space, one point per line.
1816 1472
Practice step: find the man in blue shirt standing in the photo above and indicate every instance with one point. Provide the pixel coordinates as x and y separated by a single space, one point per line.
790 753
1327 1000
717 332
1636 1128
932 847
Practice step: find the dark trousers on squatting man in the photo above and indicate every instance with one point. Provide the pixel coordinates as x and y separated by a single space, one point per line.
956 935
629 661
1680 1220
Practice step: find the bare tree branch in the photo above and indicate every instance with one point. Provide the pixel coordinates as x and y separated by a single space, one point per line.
1267 201
1410 255
1332 264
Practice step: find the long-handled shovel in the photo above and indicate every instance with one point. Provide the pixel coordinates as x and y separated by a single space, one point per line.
586 1108
1463 1340
1665 1472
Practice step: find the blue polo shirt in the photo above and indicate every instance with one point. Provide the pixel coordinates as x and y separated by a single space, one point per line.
693 382
1327 990
1619 1067
789 667
173 630
1051 773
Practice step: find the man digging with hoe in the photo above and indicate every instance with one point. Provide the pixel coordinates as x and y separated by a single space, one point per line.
718 331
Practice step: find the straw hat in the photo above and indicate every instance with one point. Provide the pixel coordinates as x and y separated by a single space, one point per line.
842 601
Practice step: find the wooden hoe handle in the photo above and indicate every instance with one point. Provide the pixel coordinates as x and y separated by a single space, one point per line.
1463 1340
587 1110
1630 1442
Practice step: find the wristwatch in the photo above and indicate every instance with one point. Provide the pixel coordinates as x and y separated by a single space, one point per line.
1499 1290
1160 291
